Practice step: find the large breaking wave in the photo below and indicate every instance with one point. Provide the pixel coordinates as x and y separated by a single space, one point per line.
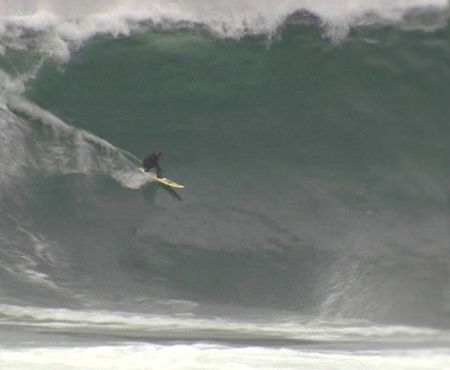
329 251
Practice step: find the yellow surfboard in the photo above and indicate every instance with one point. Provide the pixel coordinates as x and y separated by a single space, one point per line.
162 180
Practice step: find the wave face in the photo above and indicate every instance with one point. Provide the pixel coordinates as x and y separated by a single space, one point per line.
313 143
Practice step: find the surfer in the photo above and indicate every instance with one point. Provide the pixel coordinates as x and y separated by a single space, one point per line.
151 161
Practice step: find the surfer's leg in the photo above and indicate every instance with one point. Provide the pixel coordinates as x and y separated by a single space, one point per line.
158 171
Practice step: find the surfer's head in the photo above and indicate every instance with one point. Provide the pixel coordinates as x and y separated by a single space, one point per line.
160 154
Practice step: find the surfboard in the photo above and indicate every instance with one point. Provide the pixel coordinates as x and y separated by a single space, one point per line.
162 180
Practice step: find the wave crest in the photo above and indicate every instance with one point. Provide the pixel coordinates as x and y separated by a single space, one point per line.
81 20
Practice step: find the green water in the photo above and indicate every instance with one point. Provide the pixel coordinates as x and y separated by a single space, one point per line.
316 172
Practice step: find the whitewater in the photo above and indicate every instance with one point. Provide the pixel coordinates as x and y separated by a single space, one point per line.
312 137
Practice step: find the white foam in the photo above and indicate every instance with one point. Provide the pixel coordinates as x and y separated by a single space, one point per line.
32 259
212 356
80 20
67 149
147 326
12 149
199 354
72 150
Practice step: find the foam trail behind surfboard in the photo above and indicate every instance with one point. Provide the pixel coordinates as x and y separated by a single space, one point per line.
77 151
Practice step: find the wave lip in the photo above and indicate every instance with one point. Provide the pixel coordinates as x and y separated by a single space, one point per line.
79 21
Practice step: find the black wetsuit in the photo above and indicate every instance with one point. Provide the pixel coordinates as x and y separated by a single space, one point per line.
152 161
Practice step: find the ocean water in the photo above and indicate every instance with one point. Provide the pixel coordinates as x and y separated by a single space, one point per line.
313 141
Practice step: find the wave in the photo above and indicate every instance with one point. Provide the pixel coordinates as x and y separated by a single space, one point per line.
337 258
118 339
37 144
72 24
189 325
64 149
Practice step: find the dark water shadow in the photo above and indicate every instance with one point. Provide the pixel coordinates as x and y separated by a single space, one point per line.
150 191
171 191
